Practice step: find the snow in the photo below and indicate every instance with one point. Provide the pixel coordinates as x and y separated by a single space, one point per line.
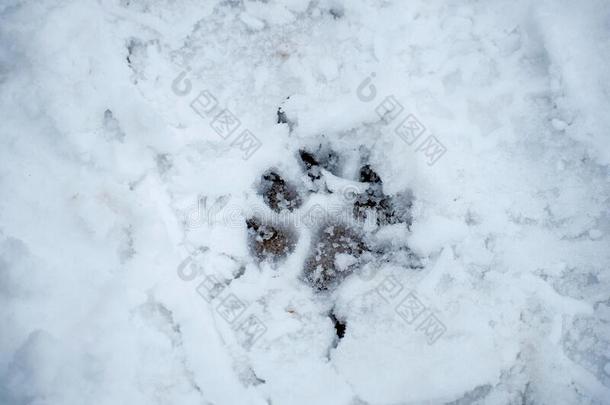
125 270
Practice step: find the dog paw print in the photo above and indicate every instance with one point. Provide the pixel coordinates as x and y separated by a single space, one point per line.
343 232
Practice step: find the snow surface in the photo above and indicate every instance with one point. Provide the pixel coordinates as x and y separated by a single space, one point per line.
122 218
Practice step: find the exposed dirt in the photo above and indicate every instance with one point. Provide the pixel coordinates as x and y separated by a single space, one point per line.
267 242
321 270
278 194
388 209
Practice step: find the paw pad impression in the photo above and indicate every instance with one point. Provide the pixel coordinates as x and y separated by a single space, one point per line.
337 246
